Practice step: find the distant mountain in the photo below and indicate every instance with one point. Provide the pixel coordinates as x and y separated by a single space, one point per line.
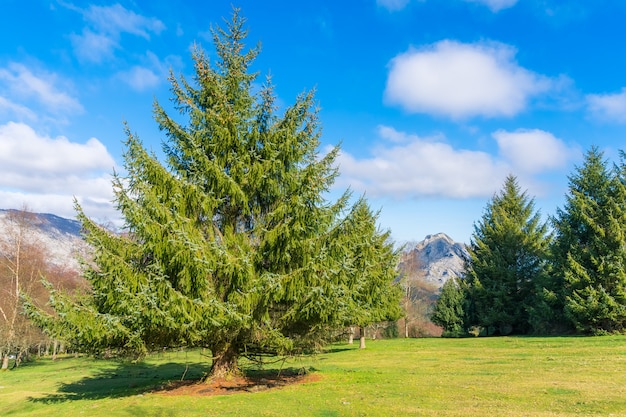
435 259
54 224
59 236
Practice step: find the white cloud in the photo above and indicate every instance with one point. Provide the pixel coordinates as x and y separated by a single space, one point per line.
46 173
23 150
93 47
99 209
117 19
100 39
17 110
533 151
392 135
421 167
414 167
462 80
495 5
19 82
608 107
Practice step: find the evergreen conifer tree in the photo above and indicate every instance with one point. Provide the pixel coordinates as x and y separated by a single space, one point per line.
372 300
231 245
449 310
508 253
590 246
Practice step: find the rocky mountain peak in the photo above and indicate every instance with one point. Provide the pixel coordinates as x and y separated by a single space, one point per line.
435 259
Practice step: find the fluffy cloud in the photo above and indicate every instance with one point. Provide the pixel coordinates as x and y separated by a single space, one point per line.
533 151
608 107
428 167
46 173
100 38
421 167
462 80
21 84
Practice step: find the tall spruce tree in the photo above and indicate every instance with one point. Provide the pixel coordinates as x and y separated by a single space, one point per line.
370 254
231 245
590 246
508 252
373 299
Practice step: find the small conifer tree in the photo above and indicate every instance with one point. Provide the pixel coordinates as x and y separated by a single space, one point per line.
449 310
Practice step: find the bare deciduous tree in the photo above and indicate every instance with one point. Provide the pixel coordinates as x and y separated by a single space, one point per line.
21 261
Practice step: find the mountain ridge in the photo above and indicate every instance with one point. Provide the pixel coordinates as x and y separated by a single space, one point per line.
60 237
435 259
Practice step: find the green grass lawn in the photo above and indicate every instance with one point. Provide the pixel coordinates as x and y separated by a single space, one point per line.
506 376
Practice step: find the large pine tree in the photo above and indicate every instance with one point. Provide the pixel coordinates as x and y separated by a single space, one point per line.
232 244
590 246
508 253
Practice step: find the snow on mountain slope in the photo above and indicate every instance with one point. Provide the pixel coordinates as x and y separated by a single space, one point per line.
60 237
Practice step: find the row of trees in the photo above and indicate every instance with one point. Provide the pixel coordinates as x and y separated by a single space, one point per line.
231 243
527 276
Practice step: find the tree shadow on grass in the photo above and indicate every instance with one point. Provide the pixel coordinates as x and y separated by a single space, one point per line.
123 380
337 349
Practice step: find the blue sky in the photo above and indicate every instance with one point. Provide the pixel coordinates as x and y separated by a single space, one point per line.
433 101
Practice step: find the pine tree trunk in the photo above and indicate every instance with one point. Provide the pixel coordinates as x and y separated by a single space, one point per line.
362 338
225 362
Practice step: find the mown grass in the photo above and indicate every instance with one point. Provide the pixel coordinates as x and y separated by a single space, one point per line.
507 376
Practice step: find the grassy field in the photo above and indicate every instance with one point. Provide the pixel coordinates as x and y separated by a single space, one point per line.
506 376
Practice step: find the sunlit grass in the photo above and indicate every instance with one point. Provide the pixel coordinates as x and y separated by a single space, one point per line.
422 377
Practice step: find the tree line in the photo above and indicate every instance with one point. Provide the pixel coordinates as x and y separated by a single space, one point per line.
564 275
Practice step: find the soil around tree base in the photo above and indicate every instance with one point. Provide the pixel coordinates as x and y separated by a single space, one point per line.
234 385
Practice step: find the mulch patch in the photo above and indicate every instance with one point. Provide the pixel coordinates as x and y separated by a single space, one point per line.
234 385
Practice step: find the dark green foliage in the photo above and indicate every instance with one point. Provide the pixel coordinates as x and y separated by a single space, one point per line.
590 246
449 310
367 253
231 245
508 254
